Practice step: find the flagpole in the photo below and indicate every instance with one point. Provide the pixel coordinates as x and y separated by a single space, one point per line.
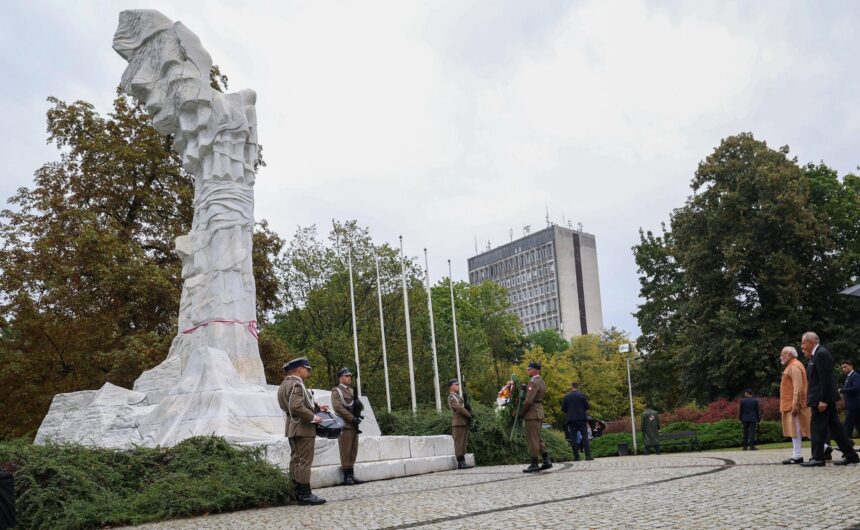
354 327
432 334
382 331
454 320
408 329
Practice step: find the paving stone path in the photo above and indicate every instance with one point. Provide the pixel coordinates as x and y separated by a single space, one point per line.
727 489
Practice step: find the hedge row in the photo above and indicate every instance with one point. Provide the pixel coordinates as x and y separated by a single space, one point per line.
719 435
489 435
74 487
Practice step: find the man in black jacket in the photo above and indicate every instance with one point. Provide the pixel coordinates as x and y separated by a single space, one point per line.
851 391
749 413
822 399
575 406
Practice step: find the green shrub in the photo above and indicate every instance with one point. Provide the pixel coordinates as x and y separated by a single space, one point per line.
489 435
719 435
75 487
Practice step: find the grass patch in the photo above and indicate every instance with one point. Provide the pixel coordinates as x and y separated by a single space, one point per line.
75 487
489 435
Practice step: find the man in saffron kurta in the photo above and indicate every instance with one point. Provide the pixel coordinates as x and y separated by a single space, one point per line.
796 415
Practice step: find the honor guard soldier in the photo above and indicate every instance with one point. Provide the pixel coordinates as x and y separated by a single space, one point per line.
343 401
533 416
299 405
460 419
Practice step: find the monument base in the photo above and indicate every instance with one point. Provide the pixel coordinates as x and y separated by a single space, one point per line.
379 457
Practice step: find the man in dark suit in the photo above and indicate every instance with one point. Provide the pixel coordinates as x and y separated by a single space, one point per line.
822 399
749 413
575 406
851 391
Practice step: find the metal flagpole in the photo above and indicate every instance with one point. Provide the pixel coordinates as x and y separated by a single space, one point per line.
354 327
382 330
454 320
408 329
432 334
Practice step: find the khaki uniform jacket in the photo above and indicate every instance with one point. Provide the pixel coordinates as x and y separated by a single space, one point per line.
341 400
533 404
460 416
298 403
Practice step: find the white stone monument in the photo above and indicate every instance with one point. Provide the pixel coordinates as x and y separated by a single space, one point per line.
212 381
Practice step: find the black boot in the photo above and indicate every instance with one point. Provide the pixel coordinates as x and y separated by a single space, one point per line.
533 468
306 497
547 463
461 463
588 455
352 476
348 479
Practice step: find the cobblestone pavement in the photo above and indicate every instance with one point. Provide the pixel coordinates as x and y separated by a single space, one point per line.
728 489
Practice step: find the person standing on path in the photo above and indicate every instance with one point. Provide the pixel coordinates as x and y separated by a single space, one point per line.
460 419
533 416
851 391
299 405
749 412
822 398
796 414
343 400
651 430
575 407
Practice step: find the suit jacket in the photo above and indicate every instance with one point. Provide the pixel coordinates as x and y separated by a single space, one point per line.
851 391
341 400
460 416
575 406
533 404
750 410
298 403
822 381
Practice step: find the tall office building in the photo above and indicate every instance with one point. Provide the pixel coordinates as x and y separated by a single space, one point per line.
551 277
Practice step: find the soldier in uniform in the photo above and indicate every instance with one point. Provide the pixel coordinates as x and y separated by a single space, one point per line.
460 419
533 417
342 399
299 405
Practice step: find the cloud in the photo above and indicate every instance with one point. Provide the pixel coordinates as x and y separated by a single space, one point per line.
451 121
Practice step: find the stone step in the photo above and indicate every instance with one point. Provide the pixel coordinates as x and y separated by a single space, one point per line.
331 475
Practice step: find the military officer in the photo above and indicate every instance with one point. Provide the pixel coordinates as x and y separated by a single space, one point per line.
342 398
299 405
533 417
459 422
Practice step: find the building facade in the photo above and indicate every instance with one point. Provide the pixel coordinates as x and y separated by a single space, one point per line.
551 277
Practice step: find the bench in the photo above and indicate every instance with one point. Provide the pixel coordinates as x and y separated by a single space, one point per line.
691 438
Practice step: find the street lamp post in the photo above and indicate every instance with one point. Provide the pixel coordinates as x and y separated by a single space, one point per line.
625 348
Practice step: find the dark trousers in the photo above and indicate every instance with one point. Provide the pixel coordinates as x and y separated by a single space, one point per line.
852 422
580 427
825 425
749 433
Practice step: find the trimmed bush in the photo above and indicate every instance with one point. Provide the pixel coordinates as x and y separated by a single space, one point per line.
75 487
489 435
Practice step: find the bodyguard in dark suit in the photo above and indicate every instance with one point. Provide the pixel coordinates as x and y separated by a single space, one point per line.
575 407
822 399
851 391
749 413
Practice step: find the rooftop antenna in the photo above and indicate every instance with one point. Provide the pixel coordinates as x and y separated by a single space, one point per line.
527 229
579 226
547 214
570 224
563 222
488 245
476 243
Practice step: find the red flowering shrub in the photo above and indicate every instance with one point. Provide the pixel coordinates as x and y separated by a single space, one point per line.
721 409
685 413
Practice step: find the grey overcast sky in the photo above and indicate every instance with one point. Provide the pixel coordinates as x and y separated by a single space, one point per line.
451 121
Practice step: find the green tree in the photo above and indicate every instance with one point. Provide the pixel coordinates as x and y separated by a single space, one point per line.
754 258
549 340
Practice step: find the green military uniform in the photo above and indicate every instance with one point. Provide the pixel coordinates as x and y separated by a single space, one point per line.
651 430
342 400
298 404
460 419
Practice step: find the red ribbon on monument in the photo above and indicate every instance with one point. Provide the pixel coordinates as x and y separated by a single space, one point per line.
250 325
